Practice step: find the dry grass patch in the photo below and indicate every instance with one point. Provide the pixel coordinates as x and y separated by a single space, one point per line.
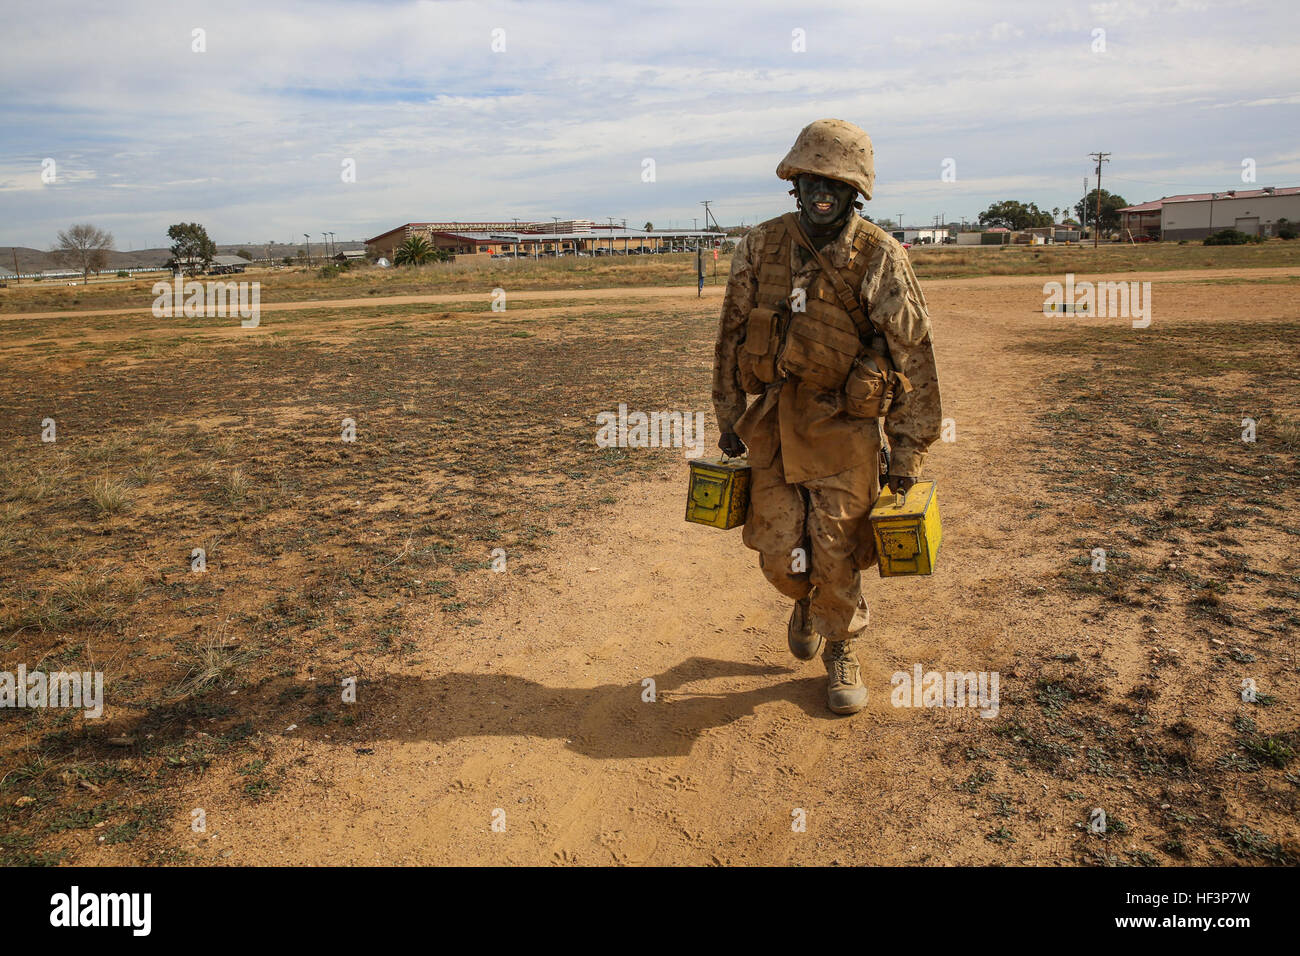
110 496
94 600
211 663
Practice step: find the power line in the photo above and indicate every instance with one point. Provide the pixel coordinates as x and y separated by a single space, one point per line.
1154 182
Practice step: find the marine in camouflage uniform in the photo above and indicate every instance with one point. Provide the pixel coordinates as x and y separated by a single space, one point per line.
825 324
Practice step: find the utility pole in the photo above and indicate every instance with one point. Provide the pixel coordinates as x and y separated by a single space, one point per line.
308 238
708 214
333 245
1096 209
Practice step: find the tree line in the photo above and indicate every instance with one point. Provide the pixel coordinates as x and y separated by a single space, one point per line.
1012 214
86 248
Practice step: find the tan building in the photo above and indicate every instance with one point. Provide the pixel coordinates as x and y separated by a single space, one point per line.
1256 212
385 244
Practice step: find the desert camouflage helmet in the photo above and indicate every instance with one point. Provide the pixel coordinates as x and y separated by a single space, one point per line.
835 149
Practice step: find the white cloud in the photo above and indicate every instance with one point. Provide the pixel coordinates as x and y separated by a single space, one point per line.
248 137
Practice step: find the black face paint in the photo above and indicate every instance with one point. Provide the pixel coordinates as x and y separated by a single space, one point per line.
824 204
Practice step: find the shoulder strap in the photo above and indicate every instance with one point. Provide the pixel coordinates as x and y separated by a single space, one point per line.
848 299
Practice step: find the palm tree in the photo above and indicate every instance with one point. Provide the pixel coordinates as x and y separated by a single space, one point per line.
415 251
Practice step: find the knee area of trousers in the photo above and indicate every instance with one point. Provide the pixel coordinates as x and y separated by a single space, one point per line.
781 576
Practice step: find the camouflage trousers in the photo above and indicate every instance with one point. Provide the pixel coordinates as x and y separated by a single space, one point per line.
813 539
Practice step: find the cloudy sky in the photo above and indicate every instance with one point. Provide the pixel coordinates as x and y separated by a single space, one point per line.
250 137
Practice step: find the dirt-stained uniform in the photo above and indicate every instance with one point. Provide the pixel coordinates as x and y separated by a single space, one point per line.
815 466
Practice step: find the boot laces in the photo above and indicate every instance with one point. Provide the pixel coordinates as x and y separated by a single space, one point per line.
842 663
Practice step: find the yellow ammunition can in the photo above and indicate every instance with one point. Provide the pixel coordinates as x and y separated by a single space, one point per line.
719 492
908 532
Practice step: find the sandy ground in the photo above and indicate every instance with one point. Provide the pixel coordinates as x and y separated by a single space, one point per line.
527 740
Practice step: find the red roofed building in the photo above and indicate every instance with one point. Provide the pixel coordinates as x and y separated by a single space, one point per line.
1197 215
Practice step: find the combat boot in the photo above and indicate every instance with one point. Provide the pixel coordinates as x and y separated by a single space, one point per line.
845 692
805 643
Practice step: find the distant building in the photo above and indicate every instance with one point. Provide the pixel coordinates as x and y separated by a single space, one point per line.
922 237
1033 236
1255 212
193 264
563 237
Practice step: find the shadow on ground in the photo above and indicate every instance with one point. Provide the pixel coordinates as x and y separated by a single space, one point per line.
603 722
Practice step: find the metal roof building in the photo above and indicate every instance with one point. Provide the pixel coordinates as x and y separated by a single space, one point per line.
1197 215
572 236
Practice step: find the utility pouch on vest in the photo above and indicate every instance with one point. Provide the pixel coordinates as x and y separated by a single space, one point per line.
868 389
872 386
821 342
757 365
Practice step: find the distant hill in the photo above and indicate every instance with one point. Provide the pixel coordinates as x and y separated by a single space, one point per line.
38 260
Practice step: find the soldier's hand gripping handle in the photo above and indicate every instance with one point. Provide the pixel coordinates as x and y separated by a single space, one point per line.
901 482
731 445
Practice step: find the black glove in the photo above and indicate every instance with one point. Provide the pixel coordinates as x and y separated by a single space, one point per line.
731 445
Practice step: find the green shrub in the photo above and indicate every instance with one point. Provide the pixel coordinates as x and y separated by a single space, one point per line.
1227 237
